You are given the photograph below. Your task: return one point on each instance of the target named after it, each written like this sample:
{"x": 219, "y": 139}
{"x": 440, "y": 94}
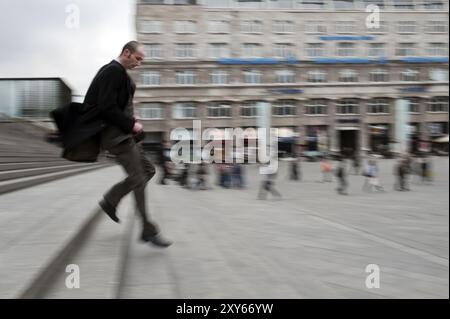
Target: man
{"x": 111, "y": 93}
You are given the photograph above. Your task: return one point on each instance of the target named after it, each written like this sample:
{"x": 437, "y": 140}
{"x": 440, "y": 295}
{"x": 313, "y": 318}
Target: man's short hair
{"x": 130, "y": 46}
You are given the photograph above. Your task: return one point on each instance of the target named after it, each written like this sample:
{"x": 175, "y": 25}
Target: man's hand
{"x": 137, "y": 128}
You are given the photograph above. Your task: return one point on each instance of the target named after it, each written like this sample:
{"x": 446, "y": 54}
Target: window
{"x": 152, "y": 51}
{"x": 433, "y": 4}
{"x": 219, "y": 109}
{"x": 406, "y": 49}
{"x": 218, "y": 50}
{"x": 151, "y": 111}
{"x": 284, "y": 50}
{"x": 438, "y": 104}
{"x": 382, "y": 28}
{"x": 251, "y": 26}
{"x": 345, "y": 26}
{"x": 219, "y": 77}
{"x": 185, "y": 77}
{"x": 343, "y": 4}
{"x": 185, "y": 27}
{"x": 316, "y": 107}
{"x": 436, "y": 26}
{"x": 313, "y": 4}
{"x": 252, "y": 50}
{"x": 317, "y": 76}
{"x": 348, "y": 76}
{"x": 439, "y": 74}
{"x": 379, "y": 76}
{"x": 314, "y": 27}
{"x": 184, "y": 110}
{"x": 184, "y": 50}
{"x": 252, "y": 77}
{"x": 218, "y": 26}
{"x": 409, "y": 75}
{"x": 347, "y": 106}
{"x": 150, "y": 26}
{"x": 413, "y": 104}
{"x": 249, "y": 109}
{"x": 376, "y": 50}
{"x": 406, "y": 27}
{"x": 284, "y": 108}
{"x": 283, "y": 26}
{"x": 378, "y": 105}
{"x": 403, "y": 4}
{"x": 285, "y": 76}
{"x": 315, "y": 50}
{"x": 346, "y": 49}
{"x": 437, "y": 49}
{"x": 151, "y": 78}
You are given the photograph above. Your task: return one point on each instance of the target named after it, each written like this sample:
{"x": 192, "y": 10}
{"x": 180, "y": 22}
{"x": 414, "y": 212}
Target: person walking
{"x": 111, "y": 93}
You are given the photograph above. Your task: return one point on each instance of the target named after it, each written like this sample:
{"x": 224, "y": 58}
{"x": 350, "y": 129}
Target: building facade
{"x": 332, "y": 70}
{"x": 32, "y": 97}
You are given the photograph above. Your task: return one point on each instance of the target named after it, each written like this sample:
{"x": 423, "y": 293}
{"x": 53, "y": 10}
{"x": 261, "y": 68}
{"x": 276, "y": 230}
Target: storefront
{"x": 379, "y": 138}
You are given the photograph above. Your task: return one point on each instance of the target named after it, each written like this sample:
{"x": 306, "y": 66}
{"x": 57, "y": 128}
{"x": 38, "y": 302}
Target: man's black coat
{"x": 106, "y": 99}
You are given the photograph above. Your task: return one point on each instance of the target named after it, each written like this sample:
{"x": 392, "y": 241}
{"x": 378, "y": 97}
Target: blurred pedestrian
{"x": 268, "y": 186}
{"x": 325, "y": 169}
{"x": 341, "y": 175}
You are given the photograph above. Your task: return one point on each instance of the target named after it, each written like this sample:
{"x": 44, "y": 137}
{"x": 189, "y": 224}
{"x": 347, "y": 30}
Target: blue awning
{"x": 258, "y": 61}
{"x": 424, "y": 59}
{"x": 347, "y": 37}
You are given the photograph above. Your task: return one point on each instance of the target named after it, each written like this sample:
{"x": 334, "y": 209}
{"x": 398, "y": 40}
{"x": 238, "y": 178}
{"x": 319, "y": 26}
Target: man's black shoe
{"x": 109, "y": 210}
{"x": 157, "y": 240}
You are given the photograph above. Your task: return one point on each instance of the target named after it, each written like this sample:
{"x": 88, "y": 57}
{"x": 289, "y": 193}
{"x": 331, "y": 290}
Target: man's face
{"x": 134, "y": 59}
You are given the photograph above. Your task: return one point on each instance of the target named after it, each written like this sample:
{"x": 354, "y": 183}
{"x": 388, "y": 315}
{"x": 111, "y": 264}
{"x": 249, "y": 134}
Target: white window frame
{"x": 317, "y": 76}
{"x": 347, "y": 105}
{"x": 252, "y": 26}
{"x": 314, "y": 50}
{"x": 407, "y": 27}
{"x": 283, "y": 26}
{"x": 409, "y": 75}
{"x": 316, "y": 107}
{"x": 349, "y": 51}
{"x": 413, "y": 105}
{"x": 436, "y": 74}
{"x": 437, "y": 104}
{"x": 154, "y": 108}
{"x": 373, "y": 51}
{"x": 348, "y": 76}
{"x": 375, "y": 74}
{"x": 287, "y": 108}
{"x": 252, "y": 106}
{"x": 436, "y": 26}
{"x": 219, "y": 108}
{"x": 284, "y": 50}
{"x": 315, "y": 27}
{"x": 406, "y": 49}
{"x": 185, "y": 77}
{"x": 252, "y": 76}
{"x": 153, "y": 51}
{"x": 218, "y": 26}
{"x": 251, "y": 50}
{"x": 185, "y": 50}
{"x": 218, "y": 50}
{"x": 219, "y": 77}
{"x": 382, "y": 29}
{"x": 437, "y": 49}
{"x": 185, "y": 27}
{"x": 181, "y": 108}
{"x": 378, "y": 106}
{"x": 151, "y": 78}
{"x": 345, "y": 27}
{"x": 150, "y": 26}
{"x": 285, "y": 76}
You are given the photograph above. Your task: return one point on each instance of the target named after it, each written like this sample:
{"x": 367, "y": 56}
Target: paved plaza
{"x": 311, "y": 243}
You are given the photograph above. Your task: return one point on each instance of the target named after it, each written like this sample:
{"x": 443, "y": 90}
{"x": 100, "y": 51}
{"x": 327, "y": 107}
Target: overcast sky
{"x": 40, "y": 39}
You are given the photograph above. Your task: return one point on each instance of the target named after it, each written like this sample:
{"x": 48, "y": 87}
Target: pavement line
{"x": 404, "y": 248}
